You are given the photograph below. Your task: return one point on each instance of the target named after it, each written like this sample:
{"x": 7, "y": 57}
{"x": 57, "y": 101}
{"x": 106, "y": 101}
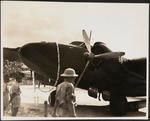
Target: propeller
{"x": 108, "y": 55}
{"x": 88, "y": 46}
{"x": 87, "y": 40}
{"x": 90, "y": 55}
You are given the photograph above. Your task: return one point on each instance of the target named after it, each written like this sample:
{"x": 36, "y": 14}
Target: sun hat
{"x": 69, "y": 72}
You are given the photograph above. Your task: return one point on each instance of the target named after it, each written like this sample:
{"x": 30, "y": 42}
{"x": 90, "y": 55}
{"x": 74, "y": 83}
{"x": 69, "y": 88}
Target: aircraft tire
{"x": 118, "y": 105}
{"x": 51, "y": 98}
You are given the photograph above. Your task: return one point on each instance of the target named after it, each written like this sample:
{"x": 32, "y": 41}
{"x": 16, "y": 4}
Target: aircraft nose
{"x": 26, "y": 51}
{"x": 40, "y": 57}
{"x": 38, "y": 51}
{"x": 30, "y": 52}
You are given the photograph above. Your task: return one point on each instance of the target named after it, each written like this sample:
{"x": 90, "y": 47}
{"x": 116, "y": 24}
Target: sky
{"x": 121, "y": 26}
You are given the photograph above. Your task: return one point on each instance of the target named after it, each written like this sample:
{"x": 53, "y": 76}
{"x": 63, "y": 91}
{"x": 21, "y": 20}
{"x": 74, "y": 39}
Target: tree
{"x": 12, "y": 69}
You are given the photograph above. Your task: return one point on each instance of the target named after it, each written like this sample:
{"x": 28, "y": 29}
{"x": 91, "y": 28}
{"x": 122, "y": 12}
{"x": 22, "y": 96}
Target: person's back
{"x": 15, "y": 98}
{"x": 65, "y": 97}
{"x": 63, "y": 91}
{"x": 15, "y": 88}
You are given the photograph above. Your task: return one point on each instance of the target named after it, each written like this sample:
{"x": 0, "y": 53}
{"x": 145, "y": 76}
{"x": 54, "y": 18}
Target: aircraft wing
{"x": 137, "y": 65}
{"x": 134, "y": 84}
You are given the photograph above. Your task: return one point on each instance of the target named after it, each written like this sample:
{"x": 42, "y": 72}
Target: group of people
{"x": 11, "y": 97}
{"x": 65, "y": 99}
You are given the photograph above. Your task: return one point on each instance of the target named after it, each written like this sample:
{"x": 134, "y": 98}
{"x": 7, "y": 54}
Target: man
{"x": 65, "y": 96}
{"x": 5, "y": 93}
{"x": 15, "y": 97}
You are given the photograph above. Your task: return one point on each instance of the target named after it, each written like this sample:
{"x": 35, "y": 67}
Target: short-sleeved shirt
{"x": 15, "y": 88}
{"x": 64, "y": 99}
{"x": 65, "y": 92}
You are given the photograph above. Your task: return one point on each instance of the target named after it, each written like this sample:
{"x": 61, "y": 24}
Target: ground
{"x": 32, "y": 104}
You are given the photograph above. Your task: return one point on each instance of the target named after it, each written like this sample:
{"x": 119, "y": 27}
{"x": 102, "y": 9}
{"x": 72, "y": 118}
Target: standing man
{"x": 65, "y": 97}
{"x": 15, "y": 98}
{"x": 5, "y": 93}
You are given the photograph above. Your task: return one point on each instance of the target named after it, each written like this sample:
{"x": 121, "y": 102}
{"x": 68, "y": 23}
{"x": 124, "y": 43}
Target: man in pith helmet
{"x": 65, "y": 97}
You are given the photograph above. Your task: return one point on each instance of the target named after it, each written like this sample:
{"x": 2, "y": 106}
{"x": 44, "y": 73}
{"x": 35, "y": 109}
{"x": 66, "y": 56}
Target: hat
{"x": 69, "y": 72}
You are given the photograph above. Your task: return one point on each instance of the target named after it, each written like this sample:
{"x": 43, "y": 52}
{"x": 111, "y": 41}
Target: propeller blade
{"x": 90, "y": 35}
{"x": 86, "y": 40}
{"x": 110, "y": 55}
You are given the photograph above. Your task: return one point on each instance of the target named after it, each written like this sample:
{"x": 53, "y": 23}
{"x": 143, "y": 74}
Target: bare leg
{"x": 55, "y": 109}
{"x": 72, "y": 110}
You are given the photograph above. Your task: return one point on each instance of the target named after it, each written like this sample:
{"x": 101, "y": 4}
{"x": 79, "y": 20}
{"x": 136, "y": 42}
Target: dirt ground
{"x": 32, "y": 105}
{"x": 33, "y": 110}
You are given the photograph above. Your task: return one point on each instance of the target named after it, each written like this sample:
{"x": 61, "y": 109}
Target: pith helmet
{"x": 69, "y": 72}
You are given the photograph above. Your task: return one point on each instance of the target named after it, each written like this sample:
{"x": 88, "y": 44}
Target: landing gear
{"x": 118, "y": 105}
{"x": 51, "y": 98}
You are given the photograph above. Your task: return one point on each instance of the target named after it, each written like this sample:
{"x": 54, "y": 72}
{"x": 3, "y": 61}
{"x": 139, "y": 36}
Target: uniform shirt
{"x": 65, "y": 93}
{"x": 15, "y": 88}
{"x": 65, "y": 98}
